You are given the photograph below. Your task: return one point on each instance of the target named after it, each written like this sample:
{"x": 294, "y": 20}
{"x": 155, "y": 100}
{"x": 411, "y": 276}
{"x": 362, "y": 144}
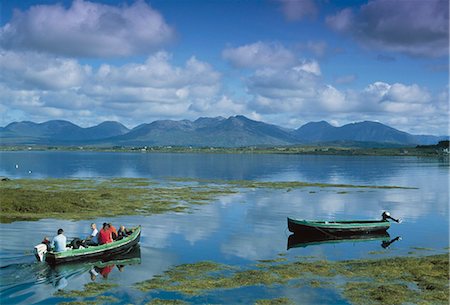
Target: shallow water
{"x": 236, "y": 229}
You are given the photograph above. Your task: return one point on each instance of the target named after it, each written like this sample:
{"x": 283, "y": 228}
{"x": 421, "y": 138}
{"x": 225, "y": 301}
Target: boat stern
{"x": 40, "y": 252}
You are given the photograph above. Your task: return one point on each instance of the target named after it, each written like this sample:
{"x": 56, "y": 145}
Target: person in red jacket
{"x": 113, "y": 231}
{"x": 104, "y": 236}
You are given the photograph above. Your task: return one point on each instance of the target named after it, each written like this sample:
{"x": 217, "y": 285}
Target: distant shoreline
{"x": 424, "y": 151}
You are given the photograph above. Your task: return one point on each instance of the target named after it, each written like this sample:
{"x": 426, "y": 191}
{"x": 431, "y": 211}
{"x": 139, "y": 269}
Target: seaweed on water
{"x": 90, "y": 290}
{"x": 377, "y": 281}
{"x": 277, "y": 301}
{"x": 166, "y": 302}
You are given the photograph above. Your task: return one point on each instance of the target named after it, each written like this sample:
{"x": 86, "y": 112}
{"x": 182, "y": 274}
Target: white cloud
{"x": 311, "y": 66}
{"x": 36, "y": 71}
{"x": 39, "y": 86}
{"x": 408, "y": 94}
{"x": 87, "y": 29}
{"x": 285, "y": 94}
{"x": 259, "y": 54}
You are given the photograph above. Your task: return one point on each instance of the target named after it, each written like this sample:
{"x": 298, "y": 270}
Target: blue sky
{"x": 285, "y": 62}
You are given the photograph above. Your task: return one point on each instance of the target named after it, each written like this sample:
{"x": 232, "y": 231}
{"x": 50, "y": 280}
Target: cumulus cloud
{"x": 37, "y": 71}
{"x": 259, "y": 54}
{"x": 418, "y": 28}
{"x": 287, "y": 94}
{"x": 87, "y": 29}
{"x": 47, "y": 87}
{"x": 294, "y": 10}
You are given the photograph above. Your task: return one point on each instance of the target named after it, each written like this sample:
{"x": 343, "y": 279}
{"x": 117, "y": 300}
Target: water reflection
{"x": 28, "y": 283}
{"x": 330, "y": 169}
{"x": 305, "y": 240}
{"x": 102, "y": 268}
{"x": 236, "y": 229}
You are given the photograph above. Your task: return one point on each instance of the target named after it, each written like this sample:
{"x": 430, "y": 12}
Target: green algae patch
{"x": 289, "y": 185}
{"x": 398, "y": 280}
{"x": 368, "y": 293}
{"x": 271, "y": 261}
{"x": 79, "y": 303}
{"x": 421, "y": 249}
{"x": 27, "y": 199}
{"x": 166, "y": 302}
{"x": 277, "y": 301}
{"x": 98, "y": 301}
{"x": 90, "y": 290}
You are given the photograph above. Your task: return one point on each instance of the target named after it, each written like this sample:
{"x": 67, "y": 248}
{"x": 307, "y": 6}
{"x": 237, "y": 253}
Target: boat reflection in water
{"x": 309, "y": 239}
{"x": 60, "y": 274}
{"x": 33, "y": 283}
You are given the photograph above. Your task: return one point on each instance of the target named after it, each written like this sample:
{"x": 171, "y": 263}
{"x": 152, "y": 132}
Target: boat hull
{"x": 104, "y": 252}
{"x": 338, "y": 227}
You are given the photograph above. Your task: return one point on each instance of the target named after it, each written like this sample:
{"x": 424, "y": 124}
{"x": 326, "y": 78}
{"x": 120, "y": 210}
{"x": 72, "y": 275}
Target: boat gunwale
{"x": 340, "y": 223}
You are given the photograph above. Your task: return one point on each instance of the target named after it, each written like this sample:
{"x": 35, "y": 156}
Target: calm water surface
{"x": 236, "y": 229}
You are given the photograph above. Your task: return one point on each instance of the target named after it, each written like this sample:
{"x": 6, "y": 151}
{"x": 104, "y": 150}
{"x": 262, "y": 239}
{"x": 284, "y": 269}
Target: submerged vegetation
{"x": 418, "y": 280}
{"x": 29, "y": 199}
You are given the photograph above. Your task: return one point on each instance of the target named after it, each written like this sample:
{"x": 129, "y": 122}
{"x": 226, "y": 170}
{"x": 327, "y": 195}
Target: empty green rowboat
{"x": 340, "y": 227}
{"x": 337, "y": 227}
{"x": 104, "y": 251}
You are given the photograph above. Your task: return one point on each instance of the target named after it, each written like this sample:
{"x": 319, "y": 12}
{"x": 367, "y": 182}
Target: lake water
{"x": 237, "y": 229}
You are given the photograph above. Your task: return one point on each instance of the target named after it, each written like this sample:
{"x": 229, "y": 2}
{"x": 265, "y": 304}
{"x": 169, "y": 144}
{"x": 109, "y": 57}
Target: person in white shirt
{"x": 59, "y": 242}
{"x": 92, "y": 239}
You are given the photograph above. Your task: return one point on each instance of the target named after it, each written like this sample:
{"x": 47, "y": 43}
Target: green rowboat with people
{"x": 104, "y": 251}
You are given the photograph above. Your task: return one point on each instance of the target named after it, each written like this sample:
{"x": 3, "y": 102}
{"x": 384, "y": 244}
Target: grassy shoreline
{"x": 76, "y": 199}
{"x": 302, "y": 150}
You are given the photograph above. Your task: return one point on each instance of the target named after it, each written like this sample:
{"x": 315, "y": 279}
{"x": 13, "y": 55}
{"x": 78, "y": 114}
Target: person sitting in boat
{"x": 46, "y": 241}
{"x": 104, "y": 236}
{"x": 92, "y": 239}
{"x": 123, "y": 232}
{"x": 59, "y": 242}
{"x": 113, "y": 231}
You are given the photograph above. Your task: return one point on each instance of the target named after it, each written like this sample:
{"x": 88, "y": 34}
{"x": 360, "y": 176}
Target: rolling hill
{"x": 235, "y": 131}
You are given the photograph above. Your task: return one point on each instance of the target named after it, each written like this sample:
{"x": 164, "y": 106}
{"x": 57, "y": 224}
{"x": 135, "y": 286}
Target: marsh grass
{"x": 396, "y": 280}
{"x": 84, "y": 199}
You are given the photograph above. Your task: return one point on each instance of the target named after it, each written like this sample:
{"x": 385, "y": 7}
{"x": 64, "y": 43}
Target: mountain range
{"x": 235, "y": 131}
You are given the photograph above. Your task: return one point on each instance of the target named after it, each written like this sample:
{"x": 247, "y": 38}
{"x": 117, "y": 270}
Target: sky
{"x": 284, "y": 62}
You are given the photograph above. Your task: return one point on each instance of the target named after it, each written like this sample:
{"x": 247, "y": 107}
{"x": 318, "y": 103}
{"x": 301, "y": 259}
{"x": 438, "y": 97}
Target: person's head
{"x": 110, "y": 225}
{"x": 60, "y": 231}
{"x": 122, "y": 228}
{"x": 105, "y": 226}
{"x": 93, "y": 226}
